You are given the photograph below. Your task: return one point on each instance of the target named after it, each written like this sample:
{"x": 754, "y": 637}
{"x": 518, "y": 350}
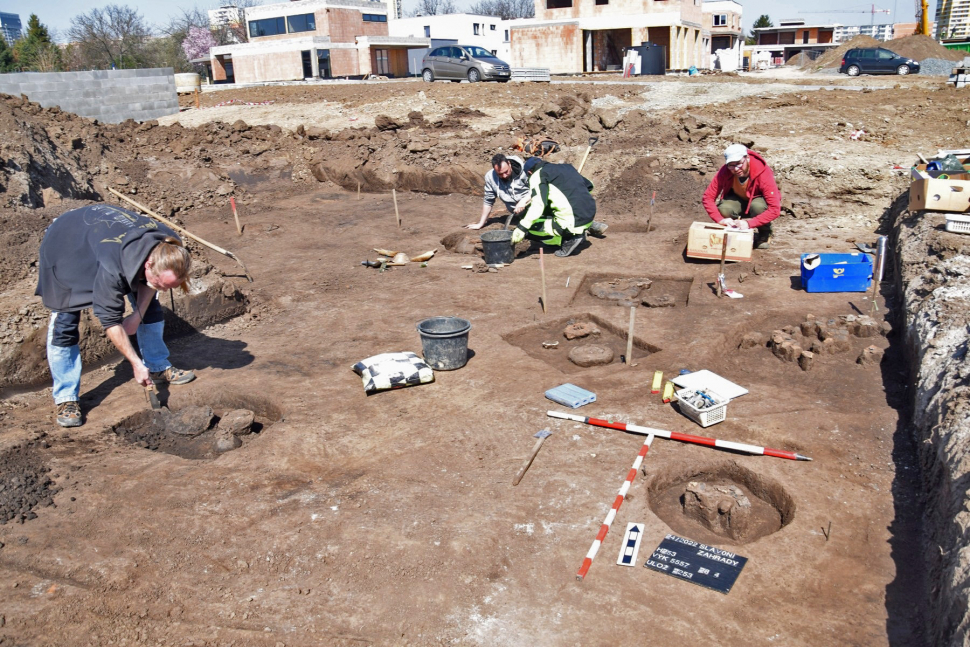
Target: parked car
{"x": 458, "y": 62}
{"x": 876, "y": 60}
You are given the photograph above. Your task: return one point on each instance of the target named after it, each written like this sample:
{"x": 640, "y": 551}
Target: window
{"x": 375, "y": 17}
{"x": 267, "y": 27}
{"x": 602, "y": 2}
{"x": 475, "y": 29}
{"x": 427, "y": 31}
{"x": 506, "y": 35}
{"x": 559, "y": 4}
{"x": 720, "y": 20}
{"x": 303, "y": 22}
{"x": 491, "y": 27}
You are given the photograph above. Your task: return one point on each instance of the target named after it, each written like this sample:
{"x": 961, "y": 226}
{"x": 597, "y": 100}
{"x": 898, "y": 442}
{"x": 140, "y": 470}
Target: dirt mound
{"x": 833, "y": 57}
{"x": 25, "y": 483}
{"x": 918, "y": 47}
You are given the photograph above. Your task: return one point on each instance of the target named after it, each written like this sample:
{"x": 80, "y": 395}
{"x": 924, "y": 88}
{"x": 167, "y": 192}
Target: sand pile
{"x": 833, "y": 57}
{"x": 918, "y": 47}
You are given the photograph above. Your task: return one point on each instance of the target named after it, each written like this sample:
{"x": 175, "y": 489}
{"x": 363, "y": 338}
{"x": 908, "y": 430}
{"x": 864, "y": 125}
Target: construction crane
{"x": 873, "y": 11}
{"x": 922, "y": 17}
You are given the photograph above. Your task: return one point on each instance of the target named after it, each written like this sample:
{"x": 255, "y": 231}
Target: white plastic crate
{"x": 704, "y": 417}
{"x": 958, "y": 224}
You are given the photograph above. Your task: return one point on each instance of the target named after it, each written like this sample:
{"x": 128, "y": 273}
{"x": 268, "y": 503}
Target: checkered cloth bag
{"x": 393, "y": 371}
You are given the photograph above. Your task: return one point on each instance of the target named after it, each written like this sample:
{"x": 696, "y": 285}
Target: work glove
{"x": 523, "y": 203}
{"x": 517, "y": 236}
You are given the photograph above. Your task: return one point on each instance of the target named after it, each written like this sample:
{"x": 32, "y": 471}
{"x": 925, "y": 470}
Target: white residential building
{"x": 489, "y": 32}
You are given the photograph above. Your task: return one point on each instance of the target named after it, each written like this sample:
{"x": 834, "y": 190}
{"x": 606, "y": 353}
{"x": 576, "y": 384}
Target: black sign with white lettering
{"x": 696, "y": 562}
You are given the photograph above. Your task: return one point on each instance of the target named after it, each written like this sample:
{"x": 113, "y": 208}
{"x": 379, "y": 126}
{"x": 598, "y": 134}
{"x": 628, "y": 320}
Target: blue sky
{"x": 57, "y": 14}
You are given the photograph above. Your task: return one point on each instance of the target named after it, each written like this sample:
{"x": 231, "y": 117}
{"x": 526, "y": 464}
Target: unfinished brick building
{"x": 590, "y": 35}
{"x": 314, "y": 39}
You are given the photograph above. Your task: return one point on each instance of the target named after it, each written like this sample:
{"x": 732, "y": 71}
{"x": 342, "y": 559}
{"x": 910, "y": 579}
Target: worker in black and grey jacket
{"x": 95, "y": 257}
{"x": 507, "y": 182}
{"x": 561, "y": 208}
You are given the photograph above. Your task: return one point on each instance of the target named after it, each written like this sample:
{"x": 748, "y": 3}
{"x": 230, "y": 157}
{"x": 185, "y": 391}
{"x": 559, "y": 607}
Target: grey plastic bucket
{"x": 444, "y": 341}
{"x": 497, "y": 246}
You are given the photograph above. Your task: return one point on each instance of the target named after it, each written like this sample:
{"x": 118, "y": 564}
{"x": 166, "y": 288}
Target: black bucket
{"x": 445, "y": 342}
{"x": 497, "y": 246}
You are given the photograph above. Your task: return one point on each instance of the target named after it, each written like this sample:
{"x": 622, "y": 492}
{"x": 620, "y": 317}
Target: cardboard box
{"x": 952, "y": 194}
{"x": 704, "y": 240}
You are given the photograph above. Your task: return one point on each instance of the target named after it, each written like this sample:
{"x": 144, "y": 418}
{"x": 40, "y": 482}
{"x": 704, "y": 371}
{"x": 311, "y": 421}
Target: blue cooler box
{"x": 836, "y": 272}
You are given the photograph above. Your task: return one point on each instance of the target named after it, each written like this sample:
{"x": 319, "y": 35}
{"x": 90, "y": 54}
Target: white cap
{"x": 735, "y": 153}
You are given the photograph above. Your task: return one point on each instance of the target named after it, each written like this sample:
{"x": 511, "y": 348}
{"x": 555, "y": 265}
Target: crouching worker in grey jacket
{"x": 507, "y": 182}
{"x": 95, "y": 257}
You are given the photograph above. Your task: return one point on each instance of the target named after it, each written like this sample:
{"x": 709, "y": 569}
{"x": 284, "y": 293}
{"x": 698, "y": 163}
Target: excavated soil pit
{"x": 24, "y": 482}
{"x": 626, "y": 291}
{"x": 724, "y": 504}
{"x": 199, "y": 431}
{"x": 532, "y": 338}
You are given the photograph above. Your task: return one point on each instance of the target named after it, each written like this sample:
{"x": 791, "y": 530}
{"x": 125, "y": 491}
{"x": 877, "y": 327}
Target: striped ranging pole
{"x": 685, "y": 438}
{"x": 611, "y": 515}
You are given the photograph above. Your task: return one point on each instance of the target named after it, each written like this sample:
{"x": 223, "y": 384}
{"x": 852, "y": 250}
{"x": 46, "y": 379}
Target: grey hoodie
{"x": 93, "y": 257}
{"x": 509, "y": 191}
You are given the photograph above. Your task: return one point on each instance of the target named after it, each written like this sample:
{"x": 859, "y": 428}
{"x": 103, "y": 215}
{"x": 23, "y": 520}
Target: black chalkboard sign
{"x": 696, "y": 562}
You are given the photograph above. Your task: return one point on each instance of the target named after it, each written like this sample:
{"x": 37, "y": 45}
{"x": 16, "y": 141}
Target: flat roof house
{"x": 304, "y": 39}
{"x": 570, "y": 36}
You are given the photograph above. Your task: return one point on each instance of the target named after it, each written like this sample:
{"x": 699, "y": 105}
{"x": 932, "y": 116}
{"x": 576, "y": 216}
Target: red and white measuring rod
{"x": 611, "y": 515}
{"x": 685, "y": 438}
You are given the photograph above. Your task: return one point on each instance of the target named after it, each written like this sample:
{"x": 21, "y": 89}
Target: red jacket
{"x": 761, "y": 183}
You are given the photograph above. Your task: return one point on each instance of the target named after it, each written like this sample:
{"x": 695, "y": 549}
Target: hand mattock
{"x": 541, "y": 435}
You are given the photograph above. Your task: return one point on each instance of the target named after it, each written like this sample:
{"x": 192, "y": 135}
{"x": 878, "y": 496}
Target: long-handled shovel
{"x": 181, "y": 230}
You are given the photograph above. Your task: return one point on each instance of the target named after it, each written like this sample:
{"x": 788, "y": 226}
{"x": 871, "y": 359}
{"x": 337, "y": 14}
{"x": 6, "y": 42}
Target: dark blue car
{"x": 876, "y": 60}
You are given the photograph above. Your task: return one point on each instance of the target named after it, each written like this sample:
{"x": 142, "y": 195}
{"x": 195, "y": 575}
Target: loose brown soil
{"x": 391, "y": 519}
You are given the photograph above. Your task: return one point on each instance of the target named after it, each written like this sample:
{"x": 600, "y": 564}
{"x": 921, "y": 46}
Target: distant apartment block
{"x": 10, "y": 27}
{"x": 226, "y": 15}
{"x": 953, "y": 20}
{"x": 844, "y": 33}
{"x": 314, "y": 39}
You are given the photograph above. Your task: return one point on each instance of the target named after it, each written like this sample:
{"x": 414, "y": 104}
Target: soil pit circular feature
{"x": 198, "y": 431}
{"x": 725, "y": 504}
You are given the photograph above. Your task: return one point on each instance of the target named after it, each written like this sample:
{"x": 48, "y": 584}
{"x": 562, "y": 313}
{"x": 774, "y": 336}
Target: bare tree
{"x": 114, "y": 36}
{"x": 434, "y": 7}
{"x": 504, "y": 9}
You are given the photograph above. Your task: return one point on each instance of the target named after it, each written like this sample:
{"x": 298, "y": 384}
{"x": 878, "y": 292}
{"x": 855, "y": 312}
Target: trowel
{"x": 153, "y": 397}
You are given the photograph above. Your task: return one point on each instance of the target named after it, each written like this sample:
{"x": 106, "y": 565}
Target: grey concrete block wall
{"x": 110, "y": 96}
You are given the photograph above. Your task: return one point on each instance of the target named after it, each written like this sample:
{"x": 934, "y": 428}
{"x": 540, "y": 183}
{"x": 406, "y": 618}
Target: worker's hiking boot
{"x": 570, "y": 246}
{"x": 174, "y": 376}
{"x": 598, "y": 229}
{"x": 762, "y": 237}
{"x": 69, "y": 414}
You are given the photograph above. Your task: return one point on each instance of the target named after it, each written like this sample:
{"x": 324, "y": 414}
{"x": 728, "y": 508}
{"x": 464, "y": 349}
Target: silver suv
{"x": 457, "y": 62}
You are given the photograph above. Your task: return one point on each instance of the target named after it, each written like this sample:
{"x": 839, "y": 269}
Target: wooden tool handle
{"x": 183, "y": 231}
{"x": 527, "y": 463}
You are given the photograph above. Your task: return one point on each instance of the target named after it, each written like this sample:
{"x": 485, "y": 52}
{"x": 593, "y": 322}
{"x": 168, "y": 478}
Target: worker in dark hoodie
{"x": 95, "y": 257}
{"x": 743, "y": 194}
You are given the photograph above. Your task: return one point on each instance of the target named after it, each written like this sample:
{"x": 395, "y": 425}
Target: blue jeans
{"x": 64, "y": 356}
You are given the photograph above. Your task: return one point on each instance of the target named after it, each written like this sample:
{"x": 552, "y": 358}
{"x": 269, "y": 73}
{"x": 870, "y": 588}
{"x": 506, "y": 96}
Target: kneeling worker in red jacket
{"x": 743, "y": 194}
